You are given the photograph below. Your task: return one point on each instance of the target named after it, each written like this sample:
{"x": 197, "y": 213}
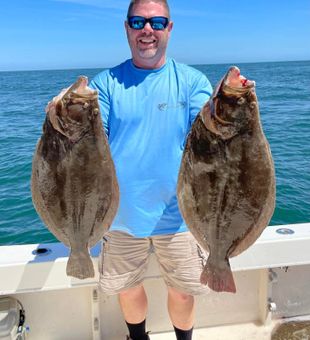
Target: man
{"x": 148, "y": 104}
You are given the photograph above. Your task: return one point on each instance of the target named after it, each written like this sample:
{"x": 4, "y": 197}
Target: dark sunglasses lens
{"x": 137, "y": 23}
{"x": 159, "y": 23}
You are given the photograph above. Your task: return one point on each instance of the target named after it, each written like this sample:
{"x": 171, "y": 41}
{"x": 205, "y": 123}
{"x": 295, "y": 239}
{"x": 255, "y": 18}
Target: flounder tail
{"x": 218, "y": 277}
{"x": 80, "y": 264}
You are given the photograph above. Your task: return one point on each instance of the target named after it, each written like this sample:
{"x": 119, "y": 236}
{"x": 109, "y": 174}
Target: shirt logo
{"x": 165, "y": 106}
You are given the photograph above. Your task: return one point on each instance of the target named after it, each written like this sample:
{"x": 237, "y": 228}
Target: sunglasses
{"x": 157, "y": 23}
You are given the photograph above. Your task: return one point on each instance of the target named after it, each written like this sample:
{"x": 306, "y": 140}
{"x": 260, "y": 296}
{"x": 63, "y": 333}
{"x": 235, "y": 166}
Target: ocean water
{"x": 283, "y": 90}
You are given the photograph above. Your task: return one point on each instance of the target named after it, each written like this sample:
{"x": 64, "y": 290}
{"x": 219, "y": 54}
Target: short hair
{"x": 136, "y": 2}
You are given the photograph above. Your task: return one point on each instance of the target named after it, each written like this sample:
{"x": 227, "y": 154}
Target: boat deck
{"x": 232, "y": 332}
{"x": 272, "y": 279}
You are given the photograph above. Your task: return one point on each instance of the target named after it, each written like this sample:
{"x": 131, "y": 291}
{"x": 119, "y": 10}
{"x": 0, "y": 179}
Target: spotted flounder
{"x": 74, "y": 185}
{"x": 226, "y": 184}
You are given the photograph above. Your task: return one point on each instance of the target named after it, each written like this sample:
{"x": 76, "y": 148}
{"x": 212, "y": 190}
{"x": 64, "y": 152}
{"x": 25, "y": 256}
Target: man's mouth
{"x": 147, "y": 41}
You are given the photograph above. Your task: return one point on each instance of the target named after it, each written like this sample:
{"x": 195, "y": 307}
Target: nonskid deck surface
{"x": 232, "y": 332}
{"x": 275, "y": 330}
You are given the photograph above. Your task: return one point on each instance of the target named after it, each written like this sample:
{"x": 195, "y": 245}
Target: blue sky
{"x": 58, "y": 34}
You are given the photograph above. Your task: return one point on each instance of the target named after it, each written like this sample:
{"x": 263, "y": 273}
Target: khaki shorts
{"x": 124, "y": 259}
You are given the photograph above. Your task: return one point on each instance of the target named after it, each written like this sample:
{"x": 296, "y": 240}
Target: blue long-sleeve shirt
{"x": 147, "y": 115}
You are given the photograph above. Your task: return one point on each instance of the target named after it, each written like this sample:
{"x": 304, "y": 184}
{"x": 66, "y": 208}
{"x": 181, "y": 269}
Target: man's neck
{"x": 150, "y": 64}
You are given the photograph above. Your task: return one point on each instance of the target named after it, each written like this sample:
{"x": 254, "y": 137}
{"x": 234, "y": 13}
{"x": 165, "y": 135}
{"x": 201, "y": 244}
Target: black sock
{"x": 137, "y": 331}
{"x": 183, "y": 335}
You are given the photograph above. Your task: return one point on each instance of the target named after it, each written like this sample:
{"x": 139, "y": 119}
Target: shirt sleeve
{"x": 201, "y": 90}
{"x": 101, "y": 84}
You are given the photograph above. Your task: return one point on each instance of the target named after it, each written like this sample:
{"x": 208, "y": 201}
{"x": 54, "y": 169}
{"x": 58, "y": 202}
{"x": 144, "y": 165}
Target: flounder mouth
{"x": 235, "y": 82}
{"x": 72, "y": 106}
{"x": 233, "y": 86}
{"x": 79, "y": 89}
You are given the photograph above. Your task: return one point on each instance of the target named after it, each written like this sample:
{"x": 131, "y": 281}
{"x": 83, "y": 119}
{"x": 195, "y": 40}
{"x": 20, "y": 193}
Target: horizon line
{"x": 190, "y": 64}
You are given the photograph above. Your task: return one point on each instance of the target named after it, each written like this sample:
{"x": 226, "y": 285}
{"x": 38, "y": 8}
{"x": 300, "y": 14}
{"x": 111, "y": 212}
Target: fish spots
{"x": 253, "y": 105}
{"x": 74, "y": 184}
{"x": 231, "y": 176}
{"x": 241, "y": 101}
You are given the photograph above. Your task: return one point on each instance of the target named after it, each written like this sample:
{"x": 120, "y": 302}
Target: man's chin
{"x": 147, "y": 54}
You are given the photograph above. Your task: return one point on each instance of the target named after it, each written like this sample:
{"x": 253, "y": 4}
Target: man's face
{"x": 148, "y": 46}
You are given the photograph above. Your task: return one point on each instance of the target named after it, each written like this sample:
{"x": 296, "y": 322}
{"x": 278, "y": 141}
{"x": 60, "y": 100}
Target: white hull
{"x": 273, "y": 274}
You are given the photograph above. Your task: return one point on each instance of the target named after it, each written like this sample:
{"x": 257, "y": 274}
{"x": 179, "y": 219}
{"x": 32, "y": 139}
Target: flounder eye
{"x": 240, "y": 101}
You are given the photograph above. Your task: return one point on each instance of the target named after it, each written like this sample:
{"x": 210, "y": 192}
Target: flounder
{"x": 226, "y": 183}
{"x": 74, "y": 185}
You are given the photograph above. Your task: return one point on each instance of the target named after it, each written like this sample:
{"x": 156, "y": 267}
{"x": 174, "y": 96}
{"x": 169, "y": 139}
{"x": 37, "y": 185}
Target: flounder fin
{"x": 208, "y": 121}
{"x": 214, "y": 124}
{"x": 80, "y": 265}
{"x": 219, "y": 279}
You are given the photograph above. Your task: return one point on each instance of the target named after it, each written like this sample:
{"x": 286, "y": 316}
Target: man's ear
{"x": 126, "y": 27}
{"x": 170, "y": 26}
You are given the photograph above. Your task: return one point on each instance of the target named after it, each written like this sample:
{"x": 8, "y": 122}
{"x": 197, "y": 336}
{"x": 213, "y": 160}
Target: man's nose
{"x": 148, "y": 27}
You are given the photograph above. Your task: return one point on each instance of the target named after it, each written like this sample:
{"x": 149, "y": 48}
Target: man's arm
{"x": 101, "y": 84}
{"x": 201, "y": 91}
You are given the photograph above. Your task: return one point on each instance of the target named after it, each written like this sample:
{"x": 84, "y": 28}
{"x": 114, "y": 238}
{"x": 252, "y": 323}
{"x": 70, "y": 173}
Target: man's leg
{"x": 122, "y": 265}
{"x": 133, "y": 302}
{"x": 181, "y": 262}
{"x": 181, "y": 309}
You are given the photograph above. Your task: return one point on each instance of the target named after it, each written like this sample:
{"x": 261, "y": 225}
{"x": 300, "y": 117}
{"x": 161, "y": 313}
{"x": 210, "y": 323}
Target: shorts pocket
{"x": 202, "y": 255}
{"x": 104, "y": 246}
